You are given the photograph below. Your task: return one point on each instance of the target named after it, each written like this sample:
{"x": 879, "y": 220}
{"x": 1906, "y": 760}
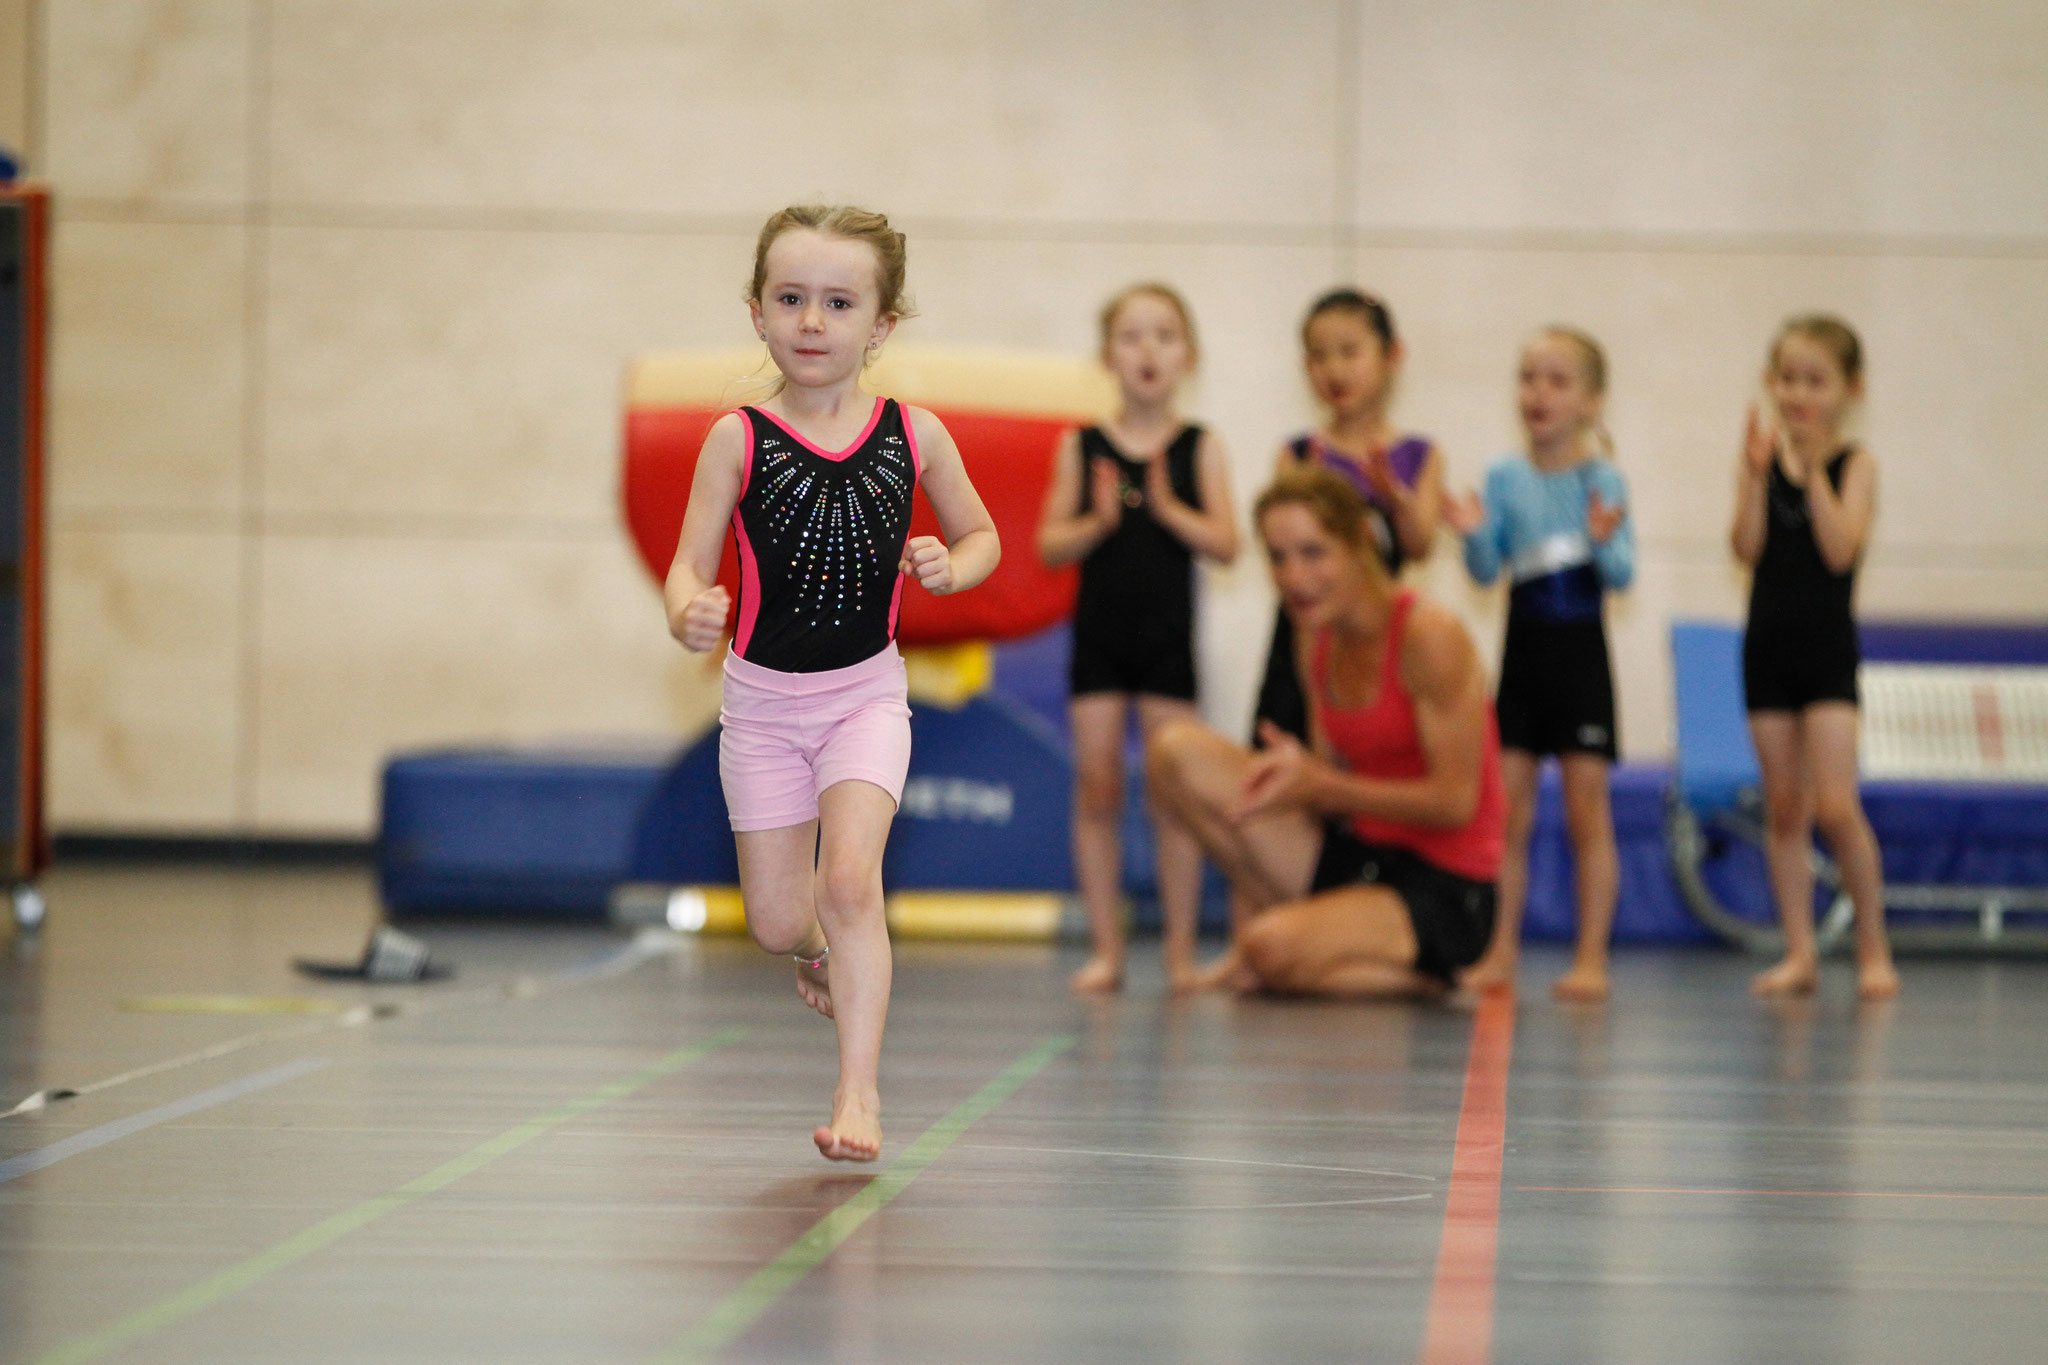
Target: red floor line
{"x": 1803, "y": 1194}
{"x": 1460, "y": 1328}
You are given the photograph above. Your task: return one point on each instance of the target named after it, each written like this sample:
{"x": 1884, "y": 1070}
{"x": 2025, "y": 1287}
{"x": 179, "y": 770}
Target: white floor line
{"x": 149, "y": 1118}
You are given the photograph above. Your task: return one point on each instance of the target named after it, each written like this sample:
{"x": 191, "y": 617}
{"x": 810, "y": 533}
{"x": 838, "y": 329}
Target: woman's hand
{"x": 1283, "y": 774}
{"x": 926, "y": 559}
{"x": 704, "y": 619}
{"x": 1464, "y": 512}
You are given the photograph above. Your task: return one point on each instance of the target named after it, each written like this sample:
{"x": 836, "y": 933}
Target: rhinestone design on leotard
{"x": 827, "y": 535}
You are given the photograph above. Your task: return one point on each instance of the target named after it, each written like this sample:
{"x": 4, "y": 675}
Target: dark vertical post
{"x": 24, "y": 217}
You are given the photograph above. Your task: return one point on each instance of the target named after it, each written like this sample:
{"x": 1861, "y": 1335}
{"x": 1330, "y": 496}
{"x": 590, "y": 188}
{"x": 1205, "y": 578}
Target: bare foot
{"x": 1492, "y": 972}
{"x": 1793, "y": 976}
{"x": 1583, "y": 984}
{"x": 1183, "y": 977}
{"x": 856, "y": 1130}
{"x": 814, "y": 984}
{"x": 1098, "y": 976}
{"x": 1227, "y": 973}
{"x": 1877, "y": 979}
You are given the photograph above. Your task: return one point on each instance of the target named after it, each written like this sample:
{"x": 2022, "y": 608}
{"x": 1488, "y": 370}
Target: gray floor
{"x": 1688, "y": 1175}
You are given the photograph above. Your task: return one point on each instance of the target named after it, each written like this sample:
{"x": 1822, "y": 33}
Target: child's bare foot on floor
{"x": 1793, "y": 976}
{"x": 814, "y": 984}
{"x": 1584, "y": 983}
{"x": 855, "y": 1133}
{"x": 1183, "y": 977}
{"x": 1491, "y": 972}
{"x": 1098, "y": 976}
{"x": 1877, "y": 979}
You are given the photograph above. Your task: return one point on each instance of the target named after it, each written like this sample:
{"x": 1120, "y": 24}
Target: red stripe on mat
{"x": 1460, "y": 1330}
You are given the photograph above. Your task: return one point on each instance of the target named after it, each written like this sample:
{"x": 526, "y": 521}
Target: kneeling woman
{"x": 1365, "y": 864}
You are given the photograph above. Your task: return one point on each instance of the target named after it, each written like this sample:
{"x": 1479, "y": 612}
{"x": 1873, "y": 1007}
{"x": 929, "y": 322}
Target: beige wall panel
{"x": 1247, "y": 303}
{"x": 474, "y": 373}
{"x": 17, "y": 66}
{"x": 1070, "y": 110}
{"x": 144, "y": 639}
{"x": 1743, "y": 116}
{"x": 148, "y": 375}
{"x": 147, "y": 99}
{"x": 372, "y": 645}
{"x": 1954, "y": 410}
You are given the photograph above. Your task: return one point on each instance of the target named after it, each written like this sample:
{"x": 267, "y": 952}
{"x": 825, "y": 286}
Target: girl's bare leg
{"x": 1589, "y": 817}
{"x": 1098, "y": 724}
{"x": 1788, "y": 849}
{"x": 1495, "y": 969}
{"x": 778, "y": 884}
{"x": 1180, "y": 859}
{"x": 1830, "y": 734}
{"x": 854, "y": 820}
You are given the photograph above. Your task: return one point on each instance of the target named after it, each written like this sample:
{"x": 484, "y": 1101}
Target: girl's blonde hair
{"x": 1164, "y": 292}
{"x": 1832, "y": 335}
{"x": 1338, "y": 507}
{"x": 834, "y": 220}
{"x": 1593, "y": 365}
{"x": 855, "y": 225}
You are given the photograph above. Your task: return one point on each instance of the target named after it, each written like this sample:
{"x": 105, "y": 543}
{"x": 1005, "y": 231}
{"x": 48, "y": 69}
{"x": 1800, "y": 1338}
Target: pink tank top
{"x": 1381, "y": 741}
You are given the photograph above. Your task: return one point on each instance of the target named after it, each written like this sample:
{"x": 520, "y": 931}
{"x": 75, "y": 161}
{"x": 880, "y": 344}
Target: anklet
{"x": 814, "y": 963}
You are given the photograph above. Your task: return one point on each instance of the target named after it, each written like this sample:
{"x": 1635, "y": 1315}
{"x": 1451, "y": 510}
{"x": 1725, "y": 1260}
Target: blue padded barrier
{"x": 545, "y": 831}
{"x": 1716, "y": 762}
{"x": 1953, "y": 642}
{"x": 1650, "y": 910}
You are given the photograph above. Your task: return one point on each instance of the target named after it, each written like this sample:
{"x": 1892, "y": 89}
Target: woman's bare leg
{"x": 1589, "y": 817}
{"x": 1788, "y": 849}
{"x": 1098, "y": 725}
{"x": 854, "y": 819}
{"x": 1829, "y": 730}
{"x": 1495, "y": 969}
{"x": 1196, "y": 775}
{"x": 1350, "y": 941}
{"x": 1180, "y": 858}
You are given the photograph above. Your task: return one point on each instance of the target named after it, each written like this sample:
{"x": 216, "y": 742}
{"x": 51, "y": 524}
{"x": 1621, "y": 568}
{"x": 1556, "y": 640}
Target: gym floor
{"x": 587, "y": 1147}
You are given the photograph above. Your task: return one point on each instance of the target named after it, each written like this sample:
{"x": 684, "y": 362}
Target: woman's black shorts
{"x": 1556, "y": 689}
{"x": 1452, "y": 915}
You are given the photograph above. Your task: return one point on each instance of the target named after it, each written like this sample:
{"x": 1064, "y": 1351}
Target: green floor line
{"x": 237, "y": 1277}
{"x": 745, "y": 1306}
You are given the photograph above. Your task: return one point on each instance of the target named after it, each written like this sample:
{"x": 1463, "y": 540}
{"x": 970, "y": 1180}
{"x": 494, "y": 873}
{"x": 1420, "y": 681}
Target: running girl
{"x": 815, "y": 483}
{"x": 1135, "y": 500}
{"x": 1557, "y": 519}
{"x": 1803, "y": 510}
{"x": 1353, "y": 358}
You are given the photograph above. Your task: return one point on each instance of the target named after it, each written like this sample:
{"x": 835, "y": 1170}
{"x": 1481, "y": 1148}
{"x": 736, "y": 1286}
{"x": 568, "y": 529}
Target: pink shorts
{"x": 788, "y": 736}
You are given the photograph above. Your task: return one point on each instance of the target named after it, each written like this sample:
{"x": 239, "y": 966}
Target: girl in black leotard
{"x": 1135, "y": 500}
{"x": 1352, "y": 356}
{"x": 1802, "y": 518}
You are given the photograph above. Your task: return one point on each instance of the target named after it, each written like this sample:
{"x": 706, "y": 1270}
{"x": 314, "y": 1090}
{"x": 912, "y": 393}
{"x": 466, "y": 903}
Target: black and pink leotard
{"x": 820, "y": 537}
